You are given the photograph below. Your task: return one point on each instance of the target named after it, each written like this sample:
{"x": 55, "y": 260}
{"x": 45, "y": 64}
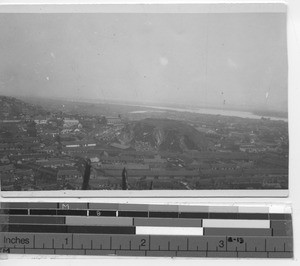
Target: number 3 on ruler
{"x": 221, "y": 243}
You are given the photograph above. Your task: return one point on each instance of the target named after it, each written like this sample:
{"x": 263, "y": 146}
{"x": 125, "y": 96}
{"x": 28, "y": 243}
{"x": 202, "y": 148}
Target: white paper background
{"x": 294, "y": 127}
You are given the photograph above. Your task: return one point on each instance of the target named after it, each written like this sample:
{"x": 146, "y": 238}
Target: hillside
{"x": 164, "y": 135}
{"x": 12, "y": 108}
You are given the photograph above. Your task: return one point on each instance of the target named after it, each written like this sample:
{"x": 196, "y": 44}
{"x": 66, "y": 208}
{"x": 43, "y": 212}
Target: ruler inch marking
{"x": 177, "y": 248}
{"x": 265, "y": 244}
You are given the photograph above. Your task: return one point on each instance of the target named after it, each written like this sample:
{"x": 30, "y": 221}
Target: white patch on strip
{"x": 163, "y": 230}
{"x": 230, "y": 223}
{"x": 288, "y": 209}
{"x": 280, "y": 208}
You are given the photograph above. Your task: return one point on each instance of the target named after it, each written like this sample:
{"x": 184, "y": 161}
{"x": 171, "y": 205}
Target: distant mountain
{"x": 13, "y": 108}
{"x": 164, "y": 135}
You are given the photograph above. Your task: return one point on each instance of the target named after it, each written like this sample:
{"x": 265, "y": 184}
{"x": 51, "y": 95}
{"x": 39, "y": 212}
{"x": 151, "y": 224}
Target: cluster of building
{"x": 44, "y": 151}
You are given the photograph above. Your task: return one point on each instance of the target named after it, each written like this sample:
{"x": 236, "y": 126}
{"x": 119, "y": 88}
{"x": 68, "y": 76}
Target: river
{"x": 242, "y": 114}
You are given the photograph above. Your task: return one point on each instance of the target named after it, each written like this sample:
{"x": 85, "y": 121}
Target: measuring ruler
{"x": 146, "y": 230}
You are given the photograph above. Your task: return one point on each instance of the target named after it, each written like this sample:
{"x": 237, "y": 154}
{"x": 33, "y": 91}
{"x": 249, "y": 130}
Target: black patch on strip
{"x": 203, "y": 215}
{"x": 222, "y": 215}
{"x": 164, "y": 214}
{"x": 102, "y": 213}
{"x": 18, "y": 211}
{"x": 253, "y": 216}
{"x": 129, "y": 230}
{"x": 132, "y": 214}
{"x": 280, "y": 216}
{"x": 4, "y": 211}
{"x": 42, "y": 212}
{"x": 72, "y": 212}
{"x": 4, "y": 227}
{"x": 37, "y": 228}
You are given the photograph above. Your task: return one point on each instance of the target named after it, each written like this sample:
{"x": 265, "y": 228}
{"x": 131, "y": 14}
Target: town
{"x": 43, "y": 144}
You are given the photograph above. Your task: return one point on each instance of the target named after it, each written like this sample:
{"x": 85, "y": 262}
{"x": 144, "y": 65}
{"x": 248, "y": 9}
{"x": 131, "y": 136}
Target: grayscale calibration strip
{"x": 146, "y": 230}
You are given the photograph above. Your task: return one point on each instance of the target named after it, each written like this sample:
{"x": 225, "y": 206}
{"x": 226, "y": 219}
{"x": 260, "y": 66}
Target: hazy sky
{"x": 161, "y": 58}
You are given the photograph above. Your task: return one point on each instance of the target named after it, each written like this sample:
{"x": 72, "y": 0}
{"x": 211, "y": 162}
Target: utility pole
{"x": 151, "y": 185}
{"x": 86, "y": 176}
{"x": 124, "y": 179}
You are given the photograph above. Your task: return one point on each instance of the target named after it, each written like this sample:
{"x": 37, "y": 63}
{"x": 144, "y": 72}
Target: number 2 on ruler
{"x": 143, "y": 242}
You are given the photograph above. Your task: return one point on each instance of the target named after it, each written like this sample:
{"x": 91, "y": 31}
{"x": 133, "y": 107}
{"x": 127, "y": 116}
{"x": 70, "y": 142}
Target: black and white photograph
{"x": 144, "y": 101}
